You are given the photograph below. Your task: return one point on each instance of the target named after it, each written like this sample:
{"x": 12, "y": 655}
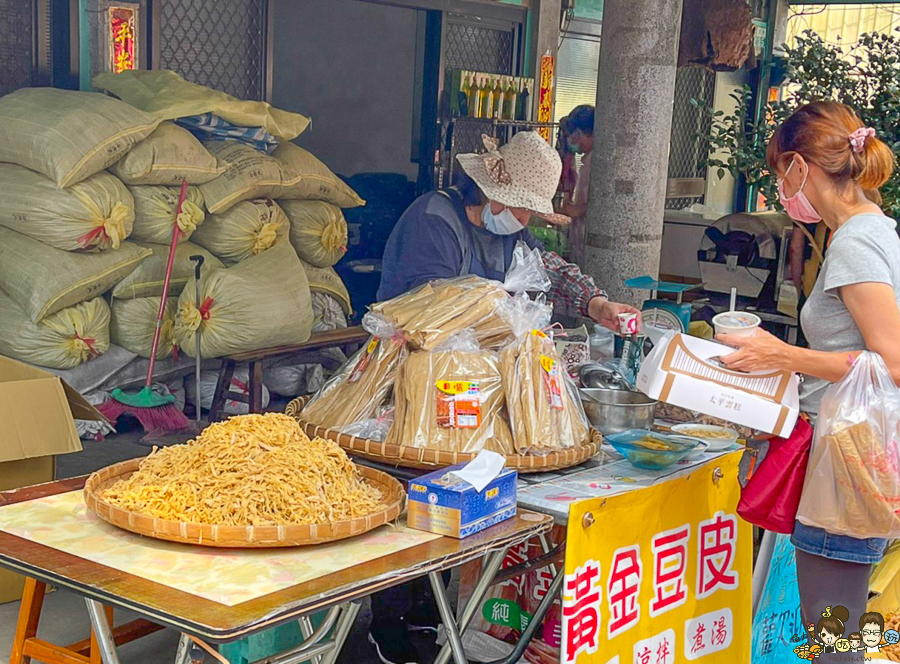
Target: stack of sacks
{"x": 153, "y": 172}
{"x": 64, "y": 221}
{"x": 243, "y": 220}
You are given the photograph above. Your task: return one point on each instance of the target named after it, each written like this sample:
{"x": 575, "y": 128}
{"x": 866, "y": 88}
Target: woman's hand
{"x": 607, "y": 313}
{"x": 761, "y": 352}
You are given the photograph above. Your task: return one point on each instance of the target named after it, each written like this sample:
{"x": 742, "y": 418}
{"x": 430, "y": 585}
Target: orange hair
{"x": 820, "y": 132}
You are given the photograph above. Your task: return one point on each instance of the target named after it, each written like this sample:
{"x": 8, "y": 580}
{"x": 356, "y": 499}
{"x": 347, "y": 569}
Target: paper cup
{"x": 738, "y": 323}
{"x": 628, "y": 324}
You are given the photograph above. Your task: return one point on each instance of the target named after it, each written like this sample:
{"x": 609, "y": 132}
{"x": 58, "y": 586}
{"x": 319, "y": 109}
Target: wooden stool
{"x": 347, "y": 338}
{"x": 26, "y": 644}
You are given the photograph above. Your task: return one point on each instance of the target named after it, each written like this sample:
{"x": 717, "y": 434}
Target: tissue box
{"x": 684, "y": 371}
{"x": 444, "y": 504}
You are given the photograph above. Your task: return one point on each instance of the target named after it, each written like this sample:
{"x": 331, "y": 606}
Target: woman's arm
{"x": 874, "y": 310}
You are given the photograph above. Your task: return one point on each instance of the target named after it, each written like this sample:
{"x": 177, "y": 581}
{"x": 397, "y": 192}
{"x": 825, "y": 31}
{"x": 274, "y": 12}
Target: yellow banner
{"x": 545, "y": 98}
{"x": 661, "y": 575}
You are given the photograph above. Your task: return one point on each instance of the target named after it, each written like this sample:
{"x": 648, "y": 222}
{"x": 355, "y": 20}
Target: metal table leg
{"x": 103, "y": 632}
{"x": 492, "y": 564}
{"x": 183, "y": 653}
{"x": 342, "y": 631}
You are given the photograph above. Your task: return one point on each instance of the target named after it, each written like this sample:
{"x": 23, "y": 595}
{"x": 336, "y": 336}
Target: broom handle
{"x": 165, "y": 292}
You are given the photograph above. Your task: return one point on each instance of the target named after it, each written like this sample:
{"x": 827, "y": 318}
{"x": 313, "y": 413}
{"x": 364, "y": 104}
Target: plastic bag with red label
{"x": 545, "y": 411}
{"x": 451, "y": 399}
{"x": 362, "y": 386}
{"x": 852, "y": 484}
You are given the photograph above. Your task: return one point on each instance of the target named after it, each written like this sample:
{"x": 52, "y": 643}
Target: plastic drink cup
{"x": 738, "y": 323}
{"x": 628, "y": 324}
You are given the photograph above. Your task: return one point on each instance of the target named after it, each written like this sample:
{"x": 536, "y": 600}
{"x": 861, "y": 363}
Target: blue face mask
{"x": 504, "y": 223}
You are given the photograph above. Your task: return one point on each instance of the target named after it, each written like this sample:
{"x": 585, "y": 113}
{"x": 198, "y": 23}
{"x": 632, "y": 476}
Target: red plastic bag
{"x": 772, "y": 493}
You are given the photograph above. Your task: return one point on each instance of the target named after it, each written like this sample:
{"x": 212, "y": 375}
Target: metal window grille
{"x": 17, "y": 44}
{"x": 686, "y": 154}
{"x": 222, "y": 44}
{"x": 479, "y": 48}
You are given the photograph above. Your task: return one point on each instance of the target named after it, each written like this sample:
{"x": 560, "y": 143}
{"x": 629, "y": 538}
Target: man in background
{"x": 580, "y": 126}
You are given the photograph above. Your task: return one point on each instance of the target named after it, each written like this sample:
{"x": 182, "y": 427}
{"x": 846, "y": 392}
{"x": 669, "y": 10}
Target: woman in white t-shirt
{"x": 829, "y": 168}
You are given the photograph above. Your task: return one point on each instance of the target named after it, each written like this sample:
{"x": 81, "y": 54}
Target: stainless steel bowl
{"x": 613, "y": 411}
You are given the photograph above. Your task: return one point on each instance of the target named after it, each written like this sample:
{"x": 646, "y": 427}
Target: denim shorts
{"x": 838, "y": 547}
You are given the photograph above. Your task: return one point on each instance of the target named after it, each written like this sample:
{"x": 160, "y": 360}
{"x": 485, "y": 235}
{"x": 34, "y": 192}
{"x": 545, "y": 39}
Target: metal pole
{"x": 491, "y": 566}
{"x": 761, "y": 571}
{"x": 443, "y": 604}
{"x": 341, "y": 630}
{"x": 102, "y": 631}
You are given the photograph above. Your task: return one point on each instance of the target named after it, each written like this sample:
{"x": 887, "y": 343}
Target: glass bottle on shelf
{"x": 510, "y": 97}
{"x": 523, "y": 110}
{"x": 475, "y": 111}
{"x": 487, "y": 100}
{"x": 473, "y": 95}
{"x": 463, "y": 94}
{"x": 499, "y": 93}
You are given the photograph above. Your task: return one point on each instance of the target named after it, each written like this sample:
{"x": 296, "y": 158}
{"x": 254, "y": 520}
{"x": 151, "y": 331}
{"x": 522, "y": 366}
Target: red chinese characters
{"x": 670, "y": 554}
{"x": 717, "y": 551}
{"x": 581, "y": 611}
{"x": 623, "y": 590}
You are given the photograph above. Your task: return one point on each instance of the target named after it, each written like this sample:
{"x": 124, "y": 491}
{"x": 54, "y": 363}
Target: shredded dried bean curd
{"x": 248, "y": 470}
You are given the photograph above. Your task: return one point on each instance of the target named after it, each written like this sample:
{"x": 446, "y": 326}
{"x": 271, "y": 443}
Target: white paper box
{"x": 678, "y": 371}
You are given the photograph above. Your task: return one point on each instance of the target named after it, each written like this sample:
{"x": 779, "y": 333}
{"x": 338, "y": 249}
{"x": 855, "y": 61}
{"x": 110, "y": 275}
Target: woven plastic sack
{"x": 318, "y": 231}
{"x": 243, "y": 231}
{"x": 66, "y": 135}
{"x": 261, "y": 302}
{"x": 326, "y": 280}
{"x": 166, "y": 95}
{"x": 147, "y": 278}
{"x": 852, "y": 484}
{"x": 166, "y": 157}
{"x": 312, "y": 180}
{"x": 94, "y": 215}
{"x": 451, "y": 400}
{"x": 154, "y": 213}
{"x": 290, "y": 172}
{"x": 43, "y": 280}
{"x": 545, "y": 411}
{"x": 61, "y": 341}
{"x": 133, "y": 324}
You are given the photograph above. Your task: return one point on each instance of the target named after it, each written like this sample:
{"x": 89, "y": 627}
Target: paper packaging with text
{"x": 444, "y": 504}
{"x": 684, "y": 371}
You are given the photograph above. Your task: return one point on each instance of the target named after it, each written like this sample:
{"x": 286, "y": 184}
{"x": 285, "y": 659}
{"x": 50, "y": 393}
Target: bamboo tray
{"x": 240, "y": 536}
{"x": 427, "y": 459}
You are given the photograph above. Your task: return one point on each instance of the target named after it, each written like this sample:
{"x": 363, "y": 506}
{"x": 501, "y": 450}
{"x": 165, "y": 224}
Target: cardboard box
{"x": 444, "y": 504}
{"x": 684, "y": 371}
{"x": 37, "y": 412}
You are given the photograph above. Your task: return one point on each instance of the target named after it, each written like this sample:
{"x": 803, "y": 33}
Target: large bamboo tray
{"x": 239, "y": 536}
{"x": 427, "y": 459}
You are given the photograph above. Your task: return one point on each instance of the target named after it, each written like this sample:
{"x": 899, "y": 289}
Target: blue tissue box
{"x": 444, "y": 504}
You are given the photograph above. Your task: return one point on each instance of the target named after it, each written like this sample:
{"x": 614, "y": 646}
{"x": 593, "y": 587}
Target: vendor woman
{"x": 472, "y": 228}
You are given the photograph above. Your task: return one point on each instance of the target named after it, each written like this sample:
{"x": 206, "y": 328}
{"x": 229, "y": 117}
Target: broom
{"x": 156, "y": 412}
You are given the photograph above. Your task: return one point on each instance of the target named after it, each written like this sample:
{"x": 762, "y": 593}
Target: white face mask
{"x": 504, "y": 223}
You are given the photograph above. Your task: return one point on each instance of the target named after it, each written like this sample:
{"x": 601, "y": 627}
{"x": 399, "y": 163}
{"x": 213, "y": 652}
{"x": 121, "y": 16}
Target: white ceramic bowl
{"x": 709, "y": 433}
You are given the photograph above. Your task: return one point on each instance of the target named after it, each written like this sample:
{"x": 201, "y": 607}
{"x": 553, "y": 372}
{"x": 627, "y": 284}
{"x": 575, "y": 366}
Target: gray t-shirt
{"x": 865, "y": 249}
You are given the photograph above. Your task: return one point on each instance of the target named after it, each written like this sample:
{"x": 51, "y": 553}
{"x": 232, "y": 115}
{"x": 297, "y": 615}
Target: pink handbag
{"x": 772, "y": 493}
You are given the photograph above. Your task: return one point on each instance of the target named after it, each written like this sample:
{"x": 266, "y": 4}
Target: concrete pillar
{"x": 546, "y": 18}
{"x": 633, "y": 122}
